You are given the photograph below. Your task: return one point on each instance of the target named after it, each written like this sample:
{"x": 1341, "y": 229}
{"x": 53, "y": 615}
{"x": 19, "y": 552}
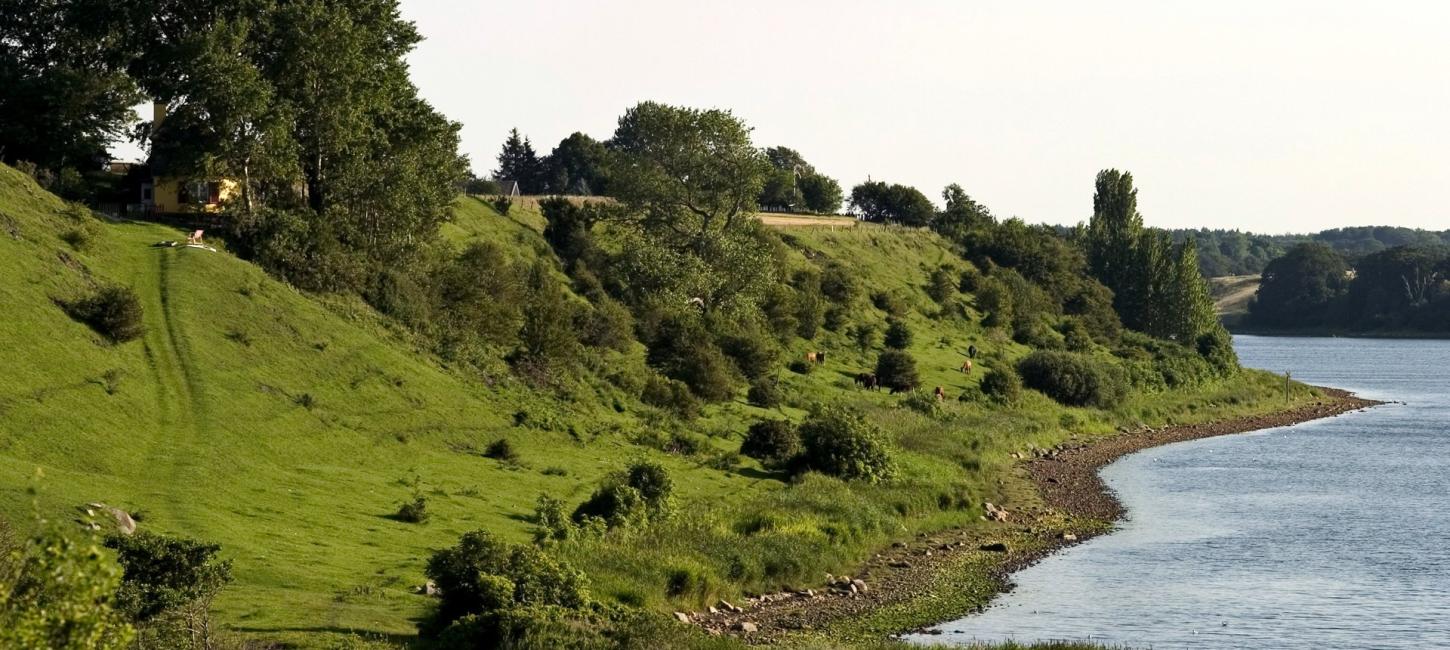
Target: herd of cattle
{"x": 869, "y": 380}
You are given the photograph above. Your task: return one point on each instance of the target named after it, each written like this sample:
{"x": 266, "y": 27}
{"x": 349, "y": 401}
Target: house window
{"x": 214, "y": 193}
{"x": 147, "y": 191}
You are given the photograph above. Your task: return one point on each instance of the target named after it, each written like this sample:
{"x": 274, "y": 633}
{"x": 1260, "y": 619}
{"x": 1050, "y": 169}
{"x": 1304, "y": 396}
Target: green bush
{"x": 771, "y": 441}
{"x": 615, "y": 504}
{"x": 643, "y": 491}
{"x": 752, "y": 352}
{"x": 1075, "y": 335}
{"x": 1002, "y": 385}
{"x": 681, "y": 348}
{"x": 608, "y": 325}
{"x": 896, "y": 370}
{"x": 1217, "y": 347}
{"x": 503, "y": 450}
{"x": 942, "y": 284}
{"x": 898, "y": 335}
{"x": 839, "y": 442}
{"x": 924, "y": 403}
{"x": 890, "y": 302}
{"x": 670, "y": 394}
{"x": 485, "y": 577}
{"x": 764, "y": 392}
{"x": 112, "y": 311}
{"x": 1073, "y": 379}
{"x": 836, "y": 318}
{"x": 167, "y": 587}
{"x": 554, "y": 525}
{"x": 414, "y": 511}
{"x": 866, "y": 335}
{"x": 838, "y": 284}
{"x": 801, "y": 367}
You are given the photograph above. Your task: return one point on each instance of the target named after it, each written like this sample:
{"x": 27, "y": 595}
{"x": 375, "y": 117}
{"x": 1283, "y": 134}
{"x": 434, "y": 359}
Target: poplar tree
{"x": 1113, "y": 238}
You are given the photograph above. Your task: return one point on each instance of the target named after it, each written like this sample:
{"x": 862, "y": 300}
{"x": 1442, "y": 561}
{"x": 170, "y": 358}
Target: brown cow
{"x": 967, "y": 366}
{"x": 941, "y": 395}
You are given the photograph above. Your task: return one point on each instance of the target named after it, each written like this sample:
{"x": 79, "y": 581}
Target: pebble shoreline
{"x": 1080, "y": 507}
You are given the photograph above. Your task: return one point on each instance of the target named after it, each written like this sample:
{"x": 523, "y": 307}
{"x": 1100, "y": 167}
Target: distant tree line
{"x": 1232, "y": 252}
{"x": 579, "y": 166}
{"x": 1405, "y": 289}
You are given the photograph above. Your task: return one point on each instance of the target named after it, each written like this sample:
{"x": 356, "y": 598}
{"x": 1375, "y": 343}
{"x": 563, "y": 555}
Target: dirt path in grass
{"x": 1080, "y": 507}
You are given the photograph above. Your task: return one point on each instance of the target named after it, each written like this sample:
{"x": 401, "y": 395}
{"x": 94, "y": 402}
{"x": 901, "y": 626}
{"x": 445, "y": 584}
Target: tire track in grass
{"x": 172, "y": 450}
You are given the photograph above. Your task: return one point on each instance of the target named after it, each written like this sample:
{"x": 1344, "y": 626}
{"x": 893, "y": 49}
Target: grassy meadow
{"x": 288, "y": 427}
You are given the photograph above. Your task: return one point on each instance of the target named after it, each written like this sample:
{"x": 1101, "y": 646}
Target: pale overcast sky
{"x": 1269, "y": 116}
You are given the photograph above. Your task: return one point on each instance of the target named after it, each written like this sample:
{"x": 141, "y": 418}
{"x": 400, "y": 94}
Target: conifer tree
{"x": 518, "y": 162}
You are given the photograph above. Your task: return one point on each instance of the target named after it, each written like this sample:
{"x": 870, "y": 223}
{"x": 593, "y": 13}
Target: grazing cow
{"x": 967, "y": 366}
{"x": 971, "y": 351}
{"x": 867, "y": 381}
{"x": 821, "y": 357}
{"x": 941, "y": 395}
{"x": 811, "y": 357}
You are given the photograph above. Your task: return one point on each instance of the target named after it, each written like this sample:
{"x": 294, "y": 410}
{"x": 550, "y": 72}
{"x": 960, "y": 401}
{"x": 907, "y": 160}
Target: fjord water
{"x": 1328, "y": 534}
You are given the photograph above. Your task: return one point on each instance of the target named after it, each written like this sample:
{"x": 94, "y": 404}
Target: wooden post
{"x": 1286, "y": 387}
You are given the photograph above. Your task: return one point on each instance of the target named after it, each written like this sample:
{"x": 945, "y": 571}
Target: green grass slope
{"x": 249, "y": 414}
{"x": 288, "y": 428}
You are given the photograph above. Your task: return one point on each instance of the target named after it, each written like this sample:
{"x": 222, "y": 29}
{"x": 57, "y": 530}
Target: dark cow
{"x": 868, "y": 381}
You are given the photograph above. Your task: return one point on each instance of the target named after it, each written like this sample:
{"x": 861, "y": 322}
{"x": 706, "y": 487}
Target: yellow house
{"x": 172, "y": 195}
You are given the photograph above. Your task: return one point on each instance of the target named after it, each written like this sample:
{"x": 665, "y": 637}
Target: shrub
{"x": 942, "y": 284}
{"x": 891, "y": 303}
{"x": 503, "y": 450}
{"x": 1072, "y": 379}
{"x": 1002, "y": 385}
{"x": 801, "y": 366}
{"x": 924, "y": 403}
{"x": 1075, "y": 335}
{"x": 614, "y": 503}
{"x": 866, "y": 335}
{"x": 485, "y": 577}
{"x": 1217, "y": 347}
{"x": 112, "y": 311}
{"x": 641, "y": 492}
{"x": 837, "y": 284}
{"x": 836, "y": 317}
{"x": 898, "y": 335}
{"x": 682, "y": 349}
{"x": 502, "y": 204}
{"x": 752, "y": 353}
{"x": 840, "y": 443}
{"x": 771, "y": 441}
{"x": 764, "y": 392}
{"x": 670, "y": 394}
{"x": 896, "y": 370}
{"x": 554, "y": 525}
{"x": 608, "y": 325}
{"x": 167, "y": 587}
{"x": 414, "y": 511}
{"x": 79, "y": 237}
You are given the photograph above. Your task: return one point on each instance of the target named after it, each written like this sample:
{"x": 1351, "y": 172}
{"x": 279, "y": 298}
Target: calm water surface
{"x": 1329, "y": 534}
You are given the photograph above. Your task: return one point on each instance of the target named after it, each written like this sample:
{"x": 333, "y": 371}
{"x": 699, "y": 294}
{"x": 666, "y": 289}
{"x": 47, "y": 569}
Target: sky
{"x": 1269, "y": 116}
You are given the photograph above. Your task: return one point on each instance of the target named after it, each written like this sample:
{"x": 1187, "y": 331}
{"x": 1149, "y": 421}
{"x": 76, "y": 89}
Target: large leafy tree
{"x": 688, "y": 171}
{"x": 894, "y": 203}
{"x": 1301, "y": 288}
{"x": 223, "y": 117}
{"x": 64, "y": 92}
{"x": 576, "y": 166}
{"x": 822, "y": 194}
{"x": 961, "y": 214}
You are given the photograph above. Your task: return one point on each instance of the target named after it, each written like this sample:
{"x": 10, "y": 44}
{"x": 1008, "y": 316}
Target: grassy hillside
{"x": 288, "y": 427}
{"x": 1231, "y": 296}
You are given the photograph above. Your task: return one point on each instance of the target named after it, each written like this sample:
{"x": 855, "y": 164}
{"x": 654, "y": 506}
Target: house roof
{"x": 508, "y": 188}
